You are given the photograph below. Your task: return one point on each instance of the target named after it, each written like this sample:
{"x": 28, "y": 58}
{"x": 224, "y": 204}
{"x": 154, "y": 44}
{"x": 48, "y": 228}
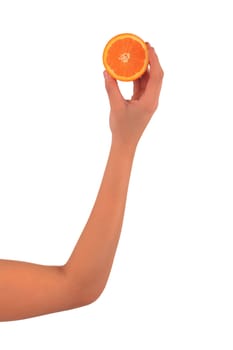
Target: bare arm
{"x": 28, "y": 290}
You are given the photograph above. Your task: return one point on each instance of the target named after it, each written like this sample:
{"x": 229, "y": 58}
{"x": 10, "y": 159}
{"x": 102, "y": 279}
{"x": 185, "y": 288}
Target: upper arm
{"x": 28, "y": 290}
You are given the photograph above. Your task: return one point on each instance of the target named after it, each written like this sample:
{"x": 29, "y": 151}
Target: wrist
{"x": 123, "y": 149}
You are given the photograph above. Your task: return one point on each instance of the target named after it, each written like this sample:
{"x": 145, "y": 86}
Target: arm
{"x": 28, "y": 290}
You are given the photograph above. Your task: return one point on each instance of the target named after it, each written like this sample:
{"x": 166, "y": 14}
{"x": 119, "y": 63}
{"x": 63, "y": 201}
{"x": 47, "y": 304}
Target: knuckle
{"x": 149, "y": 108}
{"x": 161, "y": 73}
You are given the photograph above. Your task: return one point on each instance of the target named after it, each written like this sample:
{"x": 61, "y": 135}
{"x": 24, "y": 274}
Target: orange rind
{"x": 125, "y": 57}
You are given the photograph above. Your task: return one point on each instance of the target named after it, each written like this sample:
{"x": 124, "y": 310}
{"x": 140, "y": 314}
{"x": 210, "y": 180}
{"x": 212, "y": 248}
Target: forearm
{"x": 93, "y": 255}
{"x": 28, "y": 290}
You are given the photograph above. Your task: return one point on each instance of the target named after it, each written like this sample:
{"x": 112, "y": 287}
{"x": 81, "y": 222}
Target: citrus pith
{"x": 125, "y": 57}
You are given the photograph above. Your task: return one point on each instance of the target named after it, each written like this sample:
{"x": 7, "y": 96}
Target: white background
{"x": 171, "y": 284}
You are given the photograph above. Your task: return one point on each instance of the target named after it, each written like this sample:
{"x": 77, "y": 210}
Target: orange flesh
{"x": 125, "y": 57}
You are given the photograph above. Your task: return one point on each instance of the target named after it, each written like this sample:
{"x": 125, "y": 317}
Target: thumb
{"x": 113, "y": 91}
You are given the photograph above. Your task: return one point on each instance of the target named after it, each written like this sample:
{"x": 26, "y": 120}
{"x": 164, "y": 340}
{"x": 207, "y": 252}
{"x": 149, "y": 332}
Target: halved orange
{"x": 125, "y": 57}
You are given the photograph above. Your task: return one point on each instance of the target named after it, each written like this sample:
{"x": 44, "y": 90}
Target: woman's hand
{"x": 129, "y": 118}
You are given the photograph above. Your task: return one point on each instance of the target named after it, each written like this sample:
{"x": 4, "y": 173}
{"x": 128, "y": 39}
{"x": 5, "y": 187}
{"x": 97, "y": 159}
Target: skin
{"x": 29, "y": 290}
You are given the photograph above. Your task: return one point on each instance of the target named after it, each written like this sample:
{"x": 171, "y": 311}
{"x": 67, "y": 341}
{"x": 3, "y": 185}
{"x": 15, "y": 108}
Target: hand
{"x": 129, "y": 118}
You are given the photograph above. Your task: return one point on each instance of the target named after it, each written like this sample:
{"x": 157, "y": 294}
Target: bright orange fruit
{"x": 125, "y": 57}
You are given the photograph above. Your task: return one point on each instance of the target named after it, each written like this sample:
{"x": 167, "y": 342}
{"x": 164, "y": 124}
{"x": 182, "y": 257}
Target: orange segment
{"x": 125, "y": 57}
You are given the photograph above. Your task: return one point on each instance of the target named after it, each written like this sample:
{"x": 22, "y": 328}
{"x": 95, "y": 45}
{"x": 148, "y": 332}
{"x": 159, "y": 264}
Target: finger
{"x": 136, "y": 89}
{"x": 113, "y": 91}
{"x": 156, "y": 70}
{"x": 140, "y": 85}
{"x": 154, "y": 83}
{"x": 144, "y": 80}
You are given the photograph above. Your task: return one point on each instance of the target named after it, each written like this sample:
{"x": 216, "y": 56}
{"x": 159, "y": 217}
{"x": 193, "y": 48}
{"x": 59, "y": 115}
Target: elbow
{"x": 90, "y": 295}
{"x": 82, "y": 290}
{"x": 83, "y": 298}
{"x": 81, "y": 293}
